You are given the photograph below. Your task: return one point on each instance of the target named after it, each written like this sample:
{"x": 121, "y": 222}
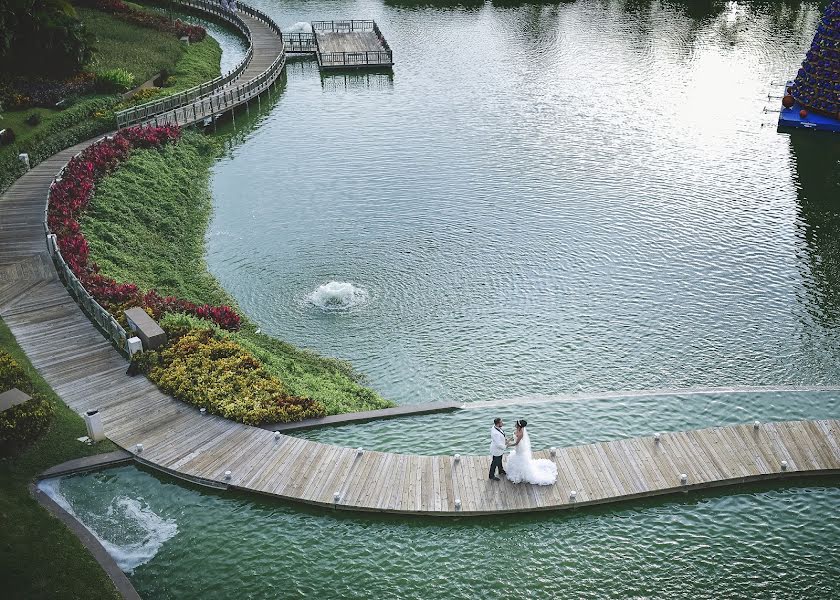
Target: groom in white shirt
{"x": 498, "y": 443}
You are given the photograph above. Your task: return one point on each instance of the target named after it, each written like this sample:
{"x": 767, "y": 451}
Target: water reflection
{"x": 357, "y": 79}
{"x": 440, "y": 4}
{"x": 817, "y": 175}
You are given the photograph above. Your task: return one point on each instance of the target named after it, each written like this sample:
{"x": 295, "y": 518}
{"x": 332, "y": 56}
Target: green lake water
{"x": 541, "y": 205}
{"x": 759, "y": 542}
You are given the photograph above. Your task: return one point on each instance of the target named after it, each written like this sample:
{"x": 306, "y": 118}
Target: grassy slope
{"x": 35, "y": 547}
{"x": 199, "y": 63}
{"x": 139, "y": 50}
{"x": 147, "y": 224}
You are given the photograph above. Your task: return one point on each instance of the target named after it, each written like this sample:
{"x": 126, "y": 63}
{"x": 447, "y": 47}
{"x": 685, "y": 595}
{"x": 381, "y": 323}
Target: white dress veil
{"x": 521, "y": 467}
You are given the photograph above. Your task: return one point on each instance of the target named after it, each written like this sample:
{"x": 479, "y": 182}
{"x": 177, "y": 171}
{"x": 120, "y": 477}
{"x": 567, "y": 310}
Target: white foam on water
{"x": 300, "y": 27}
{"x": 337, "y": 296}
{"x": 50, "y": 488}
{"x": 152, "y": 530}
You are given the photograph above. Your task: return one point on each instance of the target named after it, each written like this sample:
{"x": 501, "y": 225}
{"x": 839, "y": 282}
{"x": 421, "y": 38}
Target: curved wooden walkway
{"x": 266, "y": 65}
{"x": 88, "y": 373}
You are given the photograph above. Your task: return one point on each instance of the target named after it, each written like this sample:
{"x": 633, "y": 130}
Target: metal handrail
{"x": 106, "y": 321}
{"x": 345, "y": 25}
{"x": 299, "y": 42}
{"x": 137, "y": 114}
{"x": 369, "y": 57}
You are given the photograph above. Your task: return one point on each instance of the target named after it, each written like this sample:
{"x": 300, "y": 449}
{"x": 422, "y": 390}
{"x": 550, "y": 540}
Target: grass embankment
{"x": 146, "y": 225}
{"x": 140, "y": 50}
{"x": 36, "y": 547}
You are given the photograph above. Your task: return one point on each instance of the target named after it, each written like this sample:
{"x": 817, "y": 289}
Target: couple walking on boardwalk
{"x": 521, "y": 466}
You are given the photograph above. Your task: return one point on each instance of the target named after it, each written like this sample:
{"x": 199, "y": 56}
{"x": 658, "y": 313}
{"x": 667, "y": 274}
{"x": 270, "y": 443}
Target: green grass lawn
{"x": 146, "y": 225}
{"x": 17, "y": 121}
{"x": 39, "y": 556}
{"x": 141, "y": 51}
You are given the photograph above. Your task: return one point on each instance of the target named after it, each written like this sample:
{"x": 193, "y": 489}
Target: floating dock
{"x": 349, "y": 44}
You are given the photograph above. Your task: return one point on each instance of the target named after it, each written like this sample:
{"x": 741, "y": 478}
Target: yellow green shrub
{"x": 208, "y": 371}
{"x": 22, "y": 423}
{"x": 12, "y": 374}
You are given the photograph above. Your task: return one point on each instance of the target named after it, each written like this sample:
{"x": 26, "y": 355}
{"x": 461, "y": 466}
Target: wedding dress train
{"x": 521, "y": 467}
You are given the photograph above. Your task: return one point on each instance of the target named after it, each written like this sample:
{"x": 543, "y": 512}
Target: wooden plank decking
{"x": 351, "y": 44}
{"x": 88, "y": 373}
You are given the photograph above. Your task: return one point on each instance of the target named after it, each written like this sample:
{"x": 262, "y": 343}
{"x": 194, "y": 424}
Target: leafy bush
{"x": 34, "y": 119}
{"x": 212, "y": 372}
{"x": 24, "y": 422}
{"x": 114, "y": 80}
{"x": 27, "y": 92}
{"x": 12, "y": 374}
{"x": 42, "y": 37}
{"x": 141, "y": 97}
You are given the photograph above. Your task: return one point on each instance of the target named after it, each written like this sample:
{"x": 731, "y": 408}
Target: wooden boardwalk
{"x": 87, "y": 373}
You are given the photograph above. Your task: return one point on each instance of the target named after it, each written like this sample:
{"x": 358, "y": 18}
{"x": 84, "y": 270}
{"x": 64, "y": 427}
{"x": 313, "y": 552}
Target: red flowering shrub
{"x": 70, "y": 195}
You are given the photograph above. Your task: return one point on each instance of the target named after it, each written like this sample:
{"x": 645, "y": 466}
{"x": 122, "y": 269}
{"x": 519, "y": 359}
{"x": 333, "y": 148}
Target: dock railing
{"x": 144, "y": 112}
{"x": 299, "y": 43}
{"x": 355, "y": 59}
{"x": 106, "y": 322}
{"x": 344, "y": 26}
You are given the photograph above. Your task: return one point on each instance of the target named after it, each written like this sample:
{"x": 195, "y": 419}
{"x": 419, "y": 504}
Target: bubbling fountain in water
{"x": 300, "y": 27}
{"x": 338, "y": 296}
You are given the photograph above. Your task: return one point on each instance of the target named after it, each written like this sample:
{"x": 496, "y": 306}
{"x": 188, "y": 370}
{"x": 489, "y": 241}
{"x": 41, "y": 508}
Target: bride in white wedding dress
{"x": 521, "y": 467}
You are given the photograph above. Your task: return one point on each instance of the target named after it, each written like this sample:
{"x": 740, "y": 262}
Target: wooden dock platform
{"x": 351, "y": 44}
{"x": 88, "y": 373}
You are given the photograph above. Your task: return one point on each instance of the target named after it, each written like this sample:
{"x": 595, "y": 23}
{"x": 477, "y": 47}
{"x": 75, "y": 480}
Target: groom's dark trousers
{"x": 496, "y": 464}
